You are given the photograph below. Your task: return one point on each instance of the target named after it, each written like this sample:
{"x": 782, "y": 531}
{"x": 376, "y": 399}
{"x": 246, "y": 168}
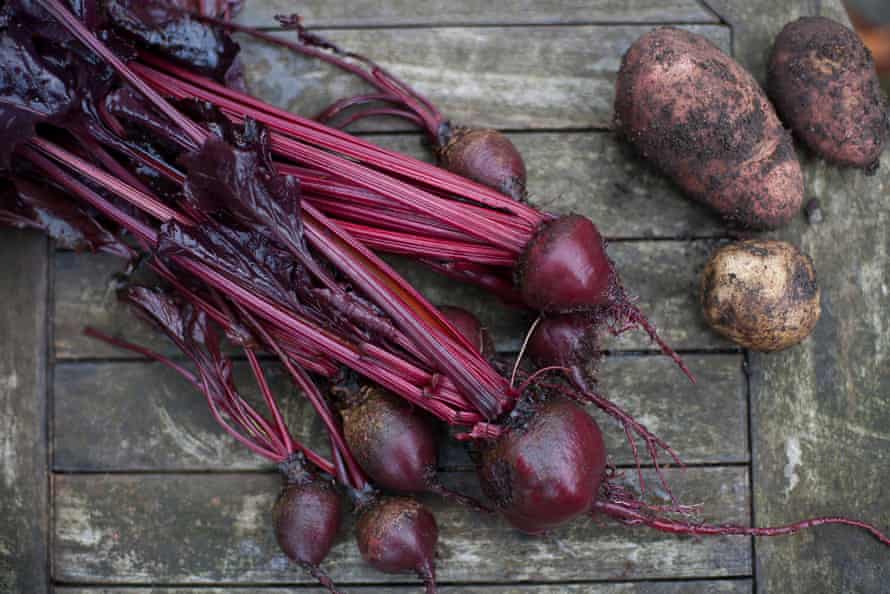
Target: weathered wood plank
{"x": 501, "y": 77}
{"x": 141, "y": 417}
{"x": 664, "y": 274}
{"x": 373, "y": 13}
{"x": 23, "y": 454}
{"x": 734, "y": 586}
{"x": 824, "y": 402}
{"x": 215, "y": 529}
{"x": 597, "y": 175}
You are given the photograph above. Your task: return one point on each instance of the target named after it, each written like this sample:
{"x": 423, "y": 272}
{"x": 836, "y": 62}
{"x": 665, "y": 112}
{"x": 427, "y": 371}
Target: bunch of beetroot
{"x": 261, "y": 225}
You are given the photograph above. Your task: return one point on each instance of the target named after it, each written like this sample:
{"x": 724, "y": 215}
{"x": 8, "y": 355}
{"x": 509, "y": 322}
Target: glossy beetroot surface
{"x": 398, "y": 534}
{"x": 393, "y": 442}
{"x": 548, "y": 469}
{"x": 565, "y": 268}
{"x": 485, "y": 156}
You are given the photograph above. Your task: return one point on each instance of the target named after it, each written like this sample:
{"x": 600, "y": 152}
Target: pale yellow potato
{"x": 761, "y": 294}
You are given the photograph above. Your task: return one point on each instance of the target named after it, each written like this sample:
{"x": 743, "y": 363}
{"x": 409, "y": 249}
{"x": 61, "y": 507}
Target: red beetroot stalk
{"x": 307, "y": 512}
{"x": 570, "y": 274}
{"x": 287, "y": 322}
{"x": 408, "y": 308}
{"x": 483, "y": 155}
{"x": 322, "y": 136}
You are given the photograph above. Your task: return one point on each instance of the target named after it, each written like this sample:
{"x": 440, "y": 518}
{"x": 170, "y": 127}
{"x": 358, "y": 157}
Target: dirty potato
{"x": 762, "y": 294}
{"x": 702, "y": 119}
{"x": 823, "y": 82}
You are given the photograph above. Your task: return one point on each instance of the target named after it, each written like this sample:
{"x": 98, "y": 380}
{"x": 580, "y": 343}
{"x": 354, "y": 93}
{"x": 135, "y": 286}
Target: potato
{"x": 703, "y": 120}
{"x": 761, "y": 294}
{"x": 823, "y": 82}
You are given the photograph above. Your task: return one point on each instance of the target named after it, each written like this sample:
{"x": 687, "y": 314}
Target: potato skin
{"x": 823, "y": 82}
{"x": 761, "y": 294}
{"x": 703, "y": 120}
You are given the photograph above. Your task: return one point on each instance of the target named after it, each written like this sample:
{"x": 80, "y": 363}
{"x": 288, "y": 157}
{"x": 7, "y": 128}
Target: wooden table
{"x": 114, "y": 478}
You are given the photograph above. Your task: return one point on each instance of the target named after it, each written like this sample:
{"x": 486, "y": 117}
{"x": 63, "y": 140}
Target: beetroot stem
{"x": 269, "y": 398}
{"x": 341, "y": 105}
{"x": 378, "y": 112}
{"x": 145, "y": 352}
{"x": 190, "y": 85}
{"x": 318, "y": 402}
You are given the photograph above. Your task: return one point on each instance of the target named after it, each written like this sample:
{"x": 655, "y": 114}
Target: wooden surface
{"x": 148, "y": 496}
{"x": 24, "y": 509}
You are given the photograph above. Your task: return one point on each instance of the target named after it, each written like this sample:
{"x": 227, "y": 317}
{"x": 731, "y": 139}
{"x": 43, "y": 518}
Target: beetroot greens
{"x": 254, "y": 263}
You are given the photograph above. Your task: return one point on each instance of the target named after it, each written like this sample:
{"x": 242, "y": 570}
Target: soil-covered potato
{"x": 823, "y": 82}
{"x": 703, "y": 120}
{"x": 762, "y": 294}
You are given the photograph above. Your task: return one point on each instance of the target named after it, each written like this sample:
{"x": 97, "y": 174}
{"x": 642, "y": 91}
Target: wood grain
{"x": 663, "y": 274}
{"x": 23, "y": 442}
{"x": 394, "y": 13}
{"x": 516, "y": 78}
{"x": 124, "y": 417}
{"x": 194, "y": 529}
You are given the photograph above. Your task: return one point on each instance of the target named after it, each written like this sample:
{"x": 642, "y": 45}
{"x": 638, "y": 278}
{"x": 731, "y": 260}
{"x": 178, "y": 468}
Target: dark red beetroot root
{"x": 471, "y": 328}
{"x": 550, "y": 467}
{"x": 564, "y": 268}
{"x": 485, "y": 156}
{"x": 398, "y": 535}
{"x": 546, "y": 469}
{"x": 394, "y": 443}
{"x": 568, "y": 341}
{"x": 307, "y": 517}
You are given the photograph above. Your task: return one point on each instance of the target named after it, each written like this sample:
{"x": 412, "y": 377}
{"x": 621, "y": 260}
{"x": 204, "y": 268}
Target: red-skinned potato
{"x": 703, "y": 120}
{"x": 823, "y": 82}
{"x": 761, "y": 294}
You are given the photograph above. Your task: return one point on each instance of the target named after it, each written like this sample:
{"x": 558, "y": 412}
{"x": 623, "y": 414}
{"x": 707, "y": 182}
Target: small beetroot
{"x": 485, "y": 156}
{"x": 398, "y": 535}
{"x": 471, "y": 328}
{"x": 393, "y": 442}
{"x": 307, "y": 517}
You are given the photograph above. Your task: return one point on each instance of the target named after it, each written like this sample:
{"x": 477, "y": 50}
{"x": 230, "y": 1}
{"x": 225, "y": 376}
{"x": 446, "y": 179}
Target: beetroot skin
{"x": 485, "y": 156}
{"x": 564, "y": 268}
{"x": 307, "y": 517}
{"x": 548, "y": 469}
{"x": 470, "y": 328}
{"x": 393, "y": 442}
{"x": 397, "y": 535}
{"x": 566, "y": 341}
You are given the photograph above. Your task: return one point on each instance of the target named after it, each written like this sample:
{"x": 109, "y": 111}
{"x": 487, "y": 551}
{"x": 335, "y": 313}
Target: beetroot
{"x": 547, "y": 468}
{"x": 565, "y": 268}
{"x": 307, "y": 516}
{"x": 393, "y": 442}
{"x": 397, "y": 535}
{"x": 485, "y": 156}
{"x": 568, "y": 341}
{"x": 471, "y": 328}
